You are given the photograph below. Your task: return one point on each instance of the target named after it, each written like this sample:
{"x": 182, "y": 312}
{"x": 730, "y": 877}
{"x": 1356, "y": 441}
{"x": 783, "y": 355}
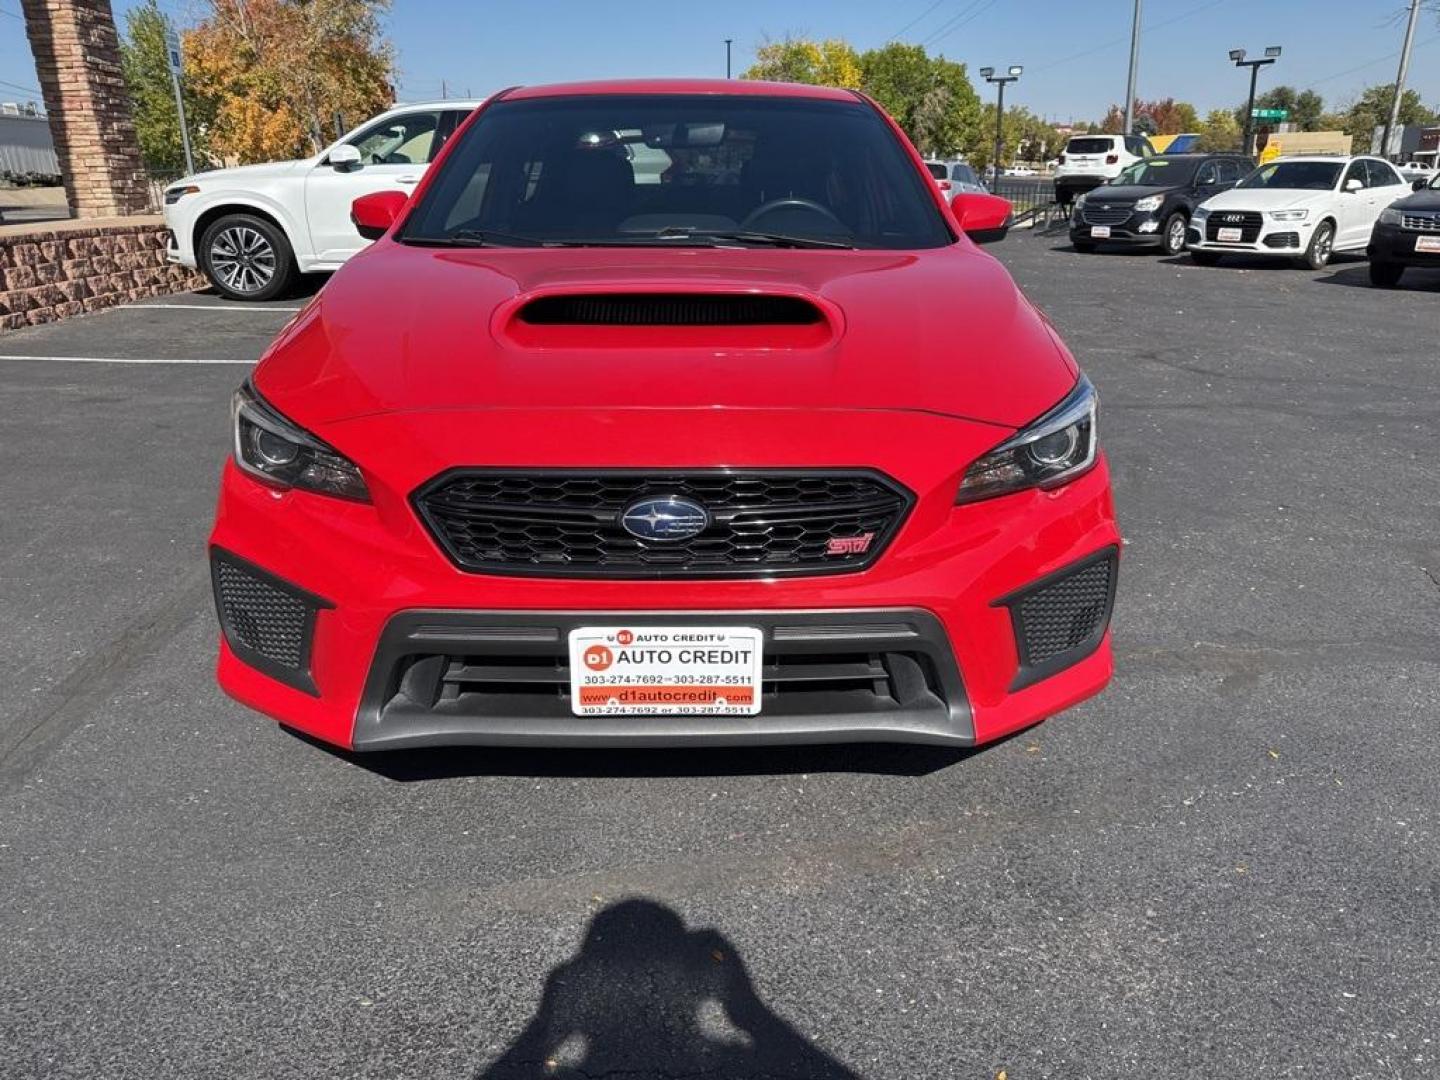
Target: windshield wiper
{"x": 753, "y": 236}
{"x": 473, "y": 238}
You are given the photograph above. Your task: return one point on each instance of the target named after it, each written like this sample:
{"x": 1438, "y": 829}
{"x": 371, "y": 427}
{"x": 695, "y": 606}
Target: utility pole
{"x": 727, "y": 56}
{"x": 1394, "y": 117}
{"x": 444, "y": 91}
{"x": 1134, "y": 69}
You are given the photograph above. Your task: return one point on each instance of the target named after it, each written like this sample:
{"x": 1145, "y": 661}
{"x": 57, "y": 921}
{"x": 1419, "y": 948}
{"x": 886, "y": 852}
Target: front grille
{"x": 1247, "y": 221}
{"x": 1062, "y": 618}
{"x": 1107, "y": 214}
{"x": 1283, "y": 240}
{"x": 443, "y": 677}
{"x": 1421, "y": 222}
{"x": 568, "y": 524}
{"x": 267, "y": 622}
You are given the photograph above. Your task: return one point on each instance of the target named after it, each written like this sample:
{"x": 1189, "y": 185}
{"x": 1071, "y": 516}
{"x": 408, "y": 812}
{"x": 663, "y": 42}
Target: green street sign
{"x": 1270, "y": 114}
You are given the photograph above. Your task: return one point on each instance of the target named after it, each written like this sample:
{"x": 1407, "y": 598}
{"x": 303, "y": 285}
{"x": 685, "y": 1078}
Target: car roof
{"x": 742, "y": 87}
{"x": 1332, "y": 158}
{"x": 438, "y": 103}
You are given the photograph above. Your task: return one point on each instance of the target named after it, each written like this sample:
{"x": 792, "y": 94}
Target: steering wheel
{"x": 792, "y": 202}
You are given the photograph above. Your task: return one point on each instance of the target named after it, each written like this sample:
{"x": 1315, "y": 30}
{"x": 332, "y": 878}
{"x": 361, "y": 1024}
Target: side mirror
{"x": 373, "y": 214}
{"x": 983, "y": 218}
{"x": 1353, "y": 184}
{"x": 344, "y": 156}
{"x": 1419, "y": 185}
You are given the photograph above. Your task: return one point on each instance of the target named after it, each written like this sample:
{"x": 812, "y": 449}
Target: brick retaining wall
{"x": 50, "y": 272}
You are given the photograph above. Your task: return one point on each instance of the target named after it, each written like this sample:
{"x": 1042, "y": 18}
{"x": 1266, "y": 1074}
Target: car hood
{"x": 247, "y": 173}
{"x": 405, "y": 328}
{"x": 1426, "y": 199}
{"x": 1128, "y": 192}
{"x": 1266, "y": 199}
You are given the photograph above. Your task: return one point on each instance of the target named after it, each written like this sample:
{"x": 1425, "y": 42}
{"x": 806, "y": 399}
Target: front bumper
{"x": 1277, "y": 239}
{"x": 1138, "y": 230}
{"x": 1395, "y": 245}
{"x": 379, "y": 591}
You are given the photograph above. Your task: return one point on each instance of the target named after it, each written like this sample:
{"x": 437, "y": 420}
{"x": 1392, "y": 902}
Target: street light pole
{"x": 1272, "y": 53}
{"x": 727, "y": 56}
{"x": 988, "y": 74}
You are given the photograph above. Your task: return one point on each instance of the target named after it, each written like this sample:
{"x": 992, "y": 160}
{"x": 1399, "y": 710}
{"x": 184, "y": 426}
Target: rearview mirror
{"x": 373, "y": 214}
{"x": 344, "y": 156}
{"x": 983, "y": 218}
{"x": 1353, "y": 184}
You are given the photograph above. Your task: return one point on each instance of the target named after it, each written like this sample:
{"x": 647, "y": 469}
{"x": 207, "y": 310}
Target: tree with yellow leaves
{"x": 277, "y": 72}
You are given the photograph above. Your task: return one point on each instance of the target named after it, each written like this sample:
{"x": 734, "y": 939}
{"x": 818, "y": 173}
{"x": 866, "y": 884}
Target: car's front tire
{"x": 247, "y": 257}
{"x": 1206, "y": 258}
{"x": 1322, "y": 245}
{"x": 1385, "y": 275}
{"x": 1172, "y": 234}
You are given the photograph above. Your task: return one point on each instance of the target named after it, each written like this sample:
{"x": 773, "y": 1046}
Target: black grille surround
{"x": 267, "y": 622}
{"x": 1249, "y": 222}
{"x": 501, "y": 678}
{"x": 567, "y": 523}
{"x": 1107, "y": 213}
{"x": 1062, "y": 618}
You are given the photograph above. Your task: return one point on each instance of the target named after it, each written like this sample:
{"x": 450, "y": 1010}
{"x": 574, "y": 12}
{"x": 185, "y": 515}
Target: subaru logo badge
{"x": 666, "y": 517}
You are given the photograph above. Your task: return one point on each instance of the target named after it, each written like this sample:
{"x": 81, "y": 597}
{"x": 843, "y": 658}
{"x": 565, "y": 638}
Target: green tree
{"x": 930, "y": 97}
{"x": 1304, "y": 106}
{"x": 1372, "y": 109}
{"x": 152, "y": 98}
{"x": 824, "y": 63}
{"x": 1219, "y": 131}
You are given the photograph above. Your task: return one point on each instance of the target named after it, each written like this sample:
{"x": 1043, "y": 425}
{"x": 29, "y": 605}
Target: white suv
{"x": 1303, "y": 207}
{"x": 252, "y": 229}
{"x": 1090, "y": 160}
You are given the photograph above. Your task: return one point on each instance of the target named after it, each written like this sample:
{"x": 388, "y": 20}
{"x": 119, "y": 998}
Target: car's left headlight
{"x": 277, "y": 451}
{"x": 1053, "y": 450}
{"x": 1149, "y": 203}
{"x": 1200, "y": 214}
{"x": 1289, "y": 215}
{"x": 1391, "y": 216}
{"x": 175, "y": 194}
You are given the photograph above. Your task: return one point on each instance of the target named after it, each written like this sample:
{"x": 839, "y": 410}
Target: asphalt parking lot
{"x": 1228, "y": 864}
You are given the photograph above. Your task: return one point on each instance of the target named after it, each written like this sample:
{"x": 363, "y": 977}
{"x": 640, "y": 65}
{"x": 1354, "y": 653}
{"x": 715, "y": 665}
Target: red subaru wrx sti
{"x": 667, "y": 412}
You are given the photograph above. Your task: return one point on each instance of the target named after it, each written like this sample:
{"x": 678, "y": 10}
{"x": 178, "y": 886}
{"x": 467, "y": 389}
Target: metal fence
{"x": 155, "y": 184}
{"x": 1025, "y": 192}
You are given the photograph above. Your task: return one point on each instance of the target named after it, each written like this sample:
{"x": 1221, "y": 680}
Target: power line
{"x": 918, "y": 19}
{"x": 17, "y": 86}
{"x": 954, "y": 23}
{"x": 1122, "y": 40}
{"x": 1367, "y": 63}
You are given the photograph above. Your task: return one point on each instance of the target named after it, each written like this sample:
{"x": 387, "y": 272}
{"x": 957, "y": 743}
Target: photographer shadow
{"x": 647, "y": 997}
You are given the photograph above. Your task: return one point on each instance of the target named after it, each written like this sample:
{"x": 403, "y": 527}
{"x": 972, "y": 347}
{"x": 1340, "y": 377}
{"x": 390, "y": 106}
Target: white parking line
{"x": 124, "y": 359}
{"x": 200, "y": 307}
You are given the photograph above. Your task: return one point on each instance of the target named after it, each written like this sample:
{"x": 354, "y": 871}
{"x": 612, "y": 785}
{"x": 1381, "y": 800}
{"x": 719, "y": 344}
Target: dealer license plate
{"x": 1099, "y": 232}
{"x": 1229, "y": 236}
{"x": 665, "y": 670}
{"x": 1427, "y": 243}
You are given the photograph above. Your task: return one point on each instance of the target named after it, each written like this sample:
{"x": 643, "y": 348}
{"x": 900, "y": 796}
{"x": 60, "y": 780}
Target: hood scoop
{"x": 597, "y": 320}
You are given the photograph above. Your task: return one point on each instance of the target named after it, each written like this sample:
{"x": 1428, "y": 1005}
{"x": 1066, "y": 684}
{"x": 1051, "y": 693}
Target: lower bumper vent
{"x": 267, "y": 622}
{"x": 1062, "y": 618}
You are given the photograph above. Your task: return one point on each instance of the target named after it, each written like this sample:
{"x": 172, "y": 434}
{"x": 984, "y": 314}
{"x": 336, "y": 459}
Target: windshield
{"x": 1157, "y": 172}
{"x": 1303, "y": 175}
{"x": 937, "y": 169}
{"x": 1090, "y": 146}
{"x": 671, "y": 169}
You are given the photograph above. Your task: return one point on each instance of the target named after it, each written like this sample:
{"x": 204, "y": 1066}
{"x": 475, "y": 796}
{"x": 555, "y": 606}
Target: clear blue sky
{"x": 1333, "y": 46}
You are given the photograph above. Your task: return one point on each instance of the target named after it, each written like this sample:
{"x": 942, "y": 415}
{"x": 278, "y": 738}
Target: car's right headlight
{"x": 1053, "y": 450}
{"x": 1391, "y": 216}
{"x": 275, "y": 450}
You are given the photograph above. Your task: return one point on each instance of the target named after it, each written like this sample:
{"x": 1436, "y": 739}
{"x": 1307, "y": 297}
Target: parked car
{"x": 954, "y": 177}
{"x": 1416, "y": 170}
{"x": 1407, "y": 233}
{"x": 765, "y": 452}
{"x": 1020, "y": 170}
{"x": 1090, "y": 160}
{"x": 1150, "y": 203}
{"x": 251, "y": 229}
{"x": 1303, "y": 208}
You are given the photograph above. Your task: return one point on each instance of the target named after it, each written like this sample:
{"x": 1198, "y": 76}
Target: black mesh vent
{"x": 1283, "y": 240}
{"x": 1063, "y": 618}
{"x": 1247, "y": 221}
{"x": 567, "y": 524}
{"x": 669, "y": 309}
{"x": 267, "y": 622}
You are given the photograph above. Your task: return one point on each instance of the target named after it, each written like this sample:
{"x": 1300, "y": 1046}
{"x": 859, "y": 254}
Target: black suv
{"x": 1407, "y": 233}
{"x": 1150, "y": 203}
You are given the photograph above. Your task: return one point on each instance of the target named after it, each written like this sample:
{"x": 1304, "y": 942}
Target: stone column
{"x": 77, "y": 57}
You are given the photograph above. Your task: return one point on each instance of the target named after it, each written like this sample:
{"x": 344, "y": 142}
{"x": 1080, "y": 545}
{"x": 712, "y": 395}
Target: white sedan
{"x": 1303, "y": 208}
{"x": 251, "y": 229}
